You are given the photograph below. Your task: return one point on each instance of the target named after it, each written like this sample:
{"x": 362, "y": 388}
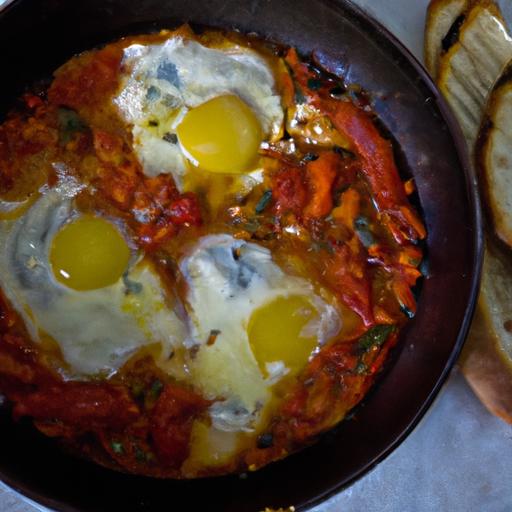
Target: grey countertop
{"x": 459, "y": 458}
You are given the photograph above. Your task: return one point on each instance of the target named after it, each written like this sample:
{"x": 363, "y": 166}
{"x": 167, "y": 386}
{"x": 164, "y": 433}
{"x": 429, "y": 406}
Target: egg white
{"x": 228, "y": 279}
{"x": 97, "y": 330}
{"x": 165, "y": 80}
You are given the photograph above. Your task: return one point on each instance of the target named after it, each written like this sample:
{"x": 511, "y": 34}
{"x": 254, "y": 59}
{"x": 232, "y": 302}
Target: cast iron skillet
{"x": 38, "y": 35}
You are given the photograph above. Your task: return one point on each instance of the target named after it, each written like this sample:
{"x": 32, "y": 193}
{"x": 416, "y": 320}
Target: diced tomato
{"x": 108, "y": 147}
{"x": 171, "y": 423}
{"x": 290, "y": 190}
{"x": 154, "y": 234}
{"x": 185, "y": 210}
{"x": 375, "y": 152}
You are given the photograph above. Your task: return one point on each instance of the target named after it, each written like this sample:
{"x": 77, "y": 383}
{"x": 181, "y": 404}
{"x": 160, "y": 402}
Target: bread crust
{"x": 493, "y": 154}
{"x": 470, "y": 68}
{"x": 485, "y": 365}
{"x": 438, "y": 23}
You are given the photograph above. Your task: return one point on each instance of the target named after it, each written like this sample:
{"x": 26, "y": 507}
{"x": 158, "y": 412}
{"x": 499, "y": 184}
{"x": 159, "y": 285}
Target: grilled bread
{"x": 494, "y": 158}
{"x": 442, "y": 16}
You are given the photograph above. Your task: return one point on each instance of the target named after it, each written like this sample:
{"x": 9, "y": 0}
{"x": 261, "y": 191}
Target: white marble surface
{"x": 460, "y": 457}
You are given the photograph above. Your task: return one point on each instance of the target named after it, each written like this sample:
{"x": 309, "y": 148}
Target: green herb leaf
{"x": 131, "y": 287}
{"x": 300, "y": 99}
{"x": 69, "y": 123}
{"x": 156, "y": 388}
{"x": 310, "y": 157}
{"x": 117, "y": 447}
{"x": 337, "y": 91}
{"x": 252, "y": 225}
{"x": 406, "y": 311}
{"x": 375, "y": 337}
{"x": 140, "y": 455}
{"x": 172, "y": 138}
{"x": 362, "y": 228}
{"x": 265, "y": 441}
{"x": 361, "y": 368}
{"x": 264, "y": 201}
{"x": 314, "y": 84}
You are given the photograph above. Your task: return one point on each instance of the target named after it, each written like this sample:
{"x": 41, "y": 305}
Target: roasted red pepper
{"x": 375, "y": 152}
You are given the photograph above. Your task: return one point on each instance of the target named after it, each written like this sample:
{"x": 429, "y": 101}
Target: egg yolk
{"x": 89, "y": 253}
{"x": 276, "y": 333}
{"x": 221, "y": 135}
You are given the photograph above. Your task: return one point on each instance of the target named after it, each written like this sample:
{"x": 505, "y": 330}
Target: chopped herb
{"x": 212, "y": 338}
{"x": 153, "y": 93}
{"x": 310, "y": 157}
{"x": 353, "y": 95}
{"x": 153, "y": 122}
{"x": 156, "y": 388}
{"x": 314, "y": 84}
{"x": 263, "y": 202}
{"x": 131, "y": 287}
{"x": 137, "y": 389}
{"x": 345, "y": 153}
{"x": 70, "y": 123}
{"x": 337, "y": 91}
{"x": 265, "y": 441}
{"x": 322, "y": 245}
{"x": 300, "y": 99}
{"x": 117, "y": 447}
{"x": 361, "y": 368}
{"x": 375, "y": 337}
{"x": 406, "y": 311}
{"x": 362, "y": 228}
{"x": 170, "y": 137}
{"x": 425, "y": 268}
{"x": 252, "y": 225}
{"x": 140, "y": 455}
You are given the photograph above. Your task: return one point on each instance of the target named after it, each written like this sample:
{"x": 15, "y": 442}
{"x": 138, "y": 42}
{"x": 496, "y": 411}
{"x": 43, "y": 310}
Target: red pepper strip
{"x": 87, "y": 405}
{"x": 171, "y": 423}
{"x": 346, "y": 270}
{"x": 375, "y": 152}
{"x": 321, "y": 174}
{"x": 378, "y": 166}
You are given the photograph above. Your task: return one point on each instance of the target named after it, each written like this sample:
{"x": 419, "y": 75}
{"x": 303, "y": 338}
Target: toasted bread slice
{"x": 486, "y": 360}
{"x": 469, "y": 70}
{"x": 442, "y": 16}
{"x": 494, "y": 158}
